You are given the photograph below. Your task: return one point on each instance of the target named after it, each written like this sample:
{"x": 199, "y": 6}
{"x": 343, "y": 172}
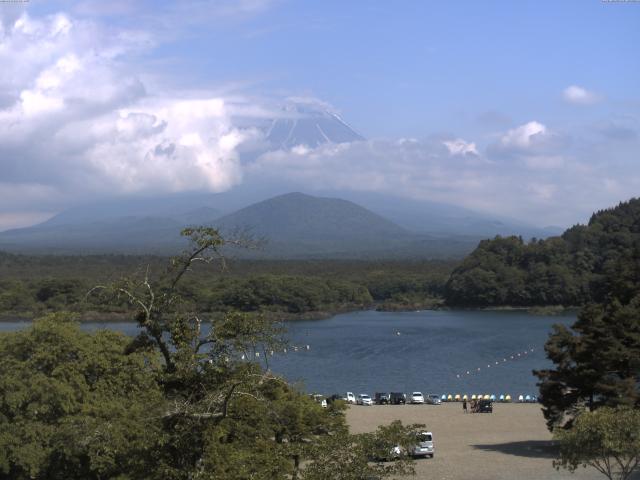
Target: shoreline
{"x": 124, "y": 317}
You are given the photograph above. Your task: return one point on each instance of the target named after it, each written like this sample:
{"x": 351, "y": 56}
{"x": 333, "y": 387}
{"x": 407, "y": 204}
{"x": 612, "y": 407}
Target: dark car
{"x": 382, "y": 398}
{"x": 398, "y": 398}
{"x": 485, "y": 406}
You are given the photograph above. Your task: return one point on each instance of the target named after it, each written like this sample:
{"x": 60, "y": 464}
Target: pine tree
{"x": 597, "y": 362}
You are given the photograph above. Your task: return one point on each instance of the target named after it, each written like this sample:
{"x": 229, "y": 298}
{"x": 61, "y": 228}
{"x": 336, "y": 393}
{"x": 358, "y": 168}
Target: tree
{"x": 368, "y": 455}
{"x": 183, "y": 400}
{"x": 74, "y": 406}
{"x": 227, "y": 415}
{"x": 597, "y": 362}
{"x": 607, "y": 439}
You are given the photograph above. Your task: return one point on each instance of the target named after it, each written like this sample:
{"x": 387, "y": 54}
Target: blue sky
{"x": 407, "y": 67}
{"x": 562, "y": 77}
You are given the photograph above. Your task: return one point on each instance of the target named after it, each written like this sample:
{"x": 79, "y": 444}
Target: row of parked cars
{"x": 393, "y": 398}
{"x": 484, "y": 402}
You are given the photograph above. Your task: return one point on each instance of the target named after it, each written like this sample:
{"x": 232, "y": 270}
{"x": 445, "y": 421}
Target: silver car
{"x": 433, "y": 399}
{"x": 423, "y": 446}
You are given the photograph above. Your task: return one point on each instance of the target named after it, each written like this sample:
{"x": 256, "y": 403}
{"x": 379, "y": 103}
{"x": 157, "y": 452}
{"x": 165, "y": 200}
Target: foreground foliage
{"x": 183, "y": 400}
{"x": 607, "y": 439}
{"x": 73, "y": 405}
{"x": 367, "y": 455}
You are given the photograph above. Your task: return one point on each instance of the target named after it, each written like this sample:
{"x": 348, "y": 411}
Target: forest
{"x": 36, "y": 285}
{"x": 585, "y": 264}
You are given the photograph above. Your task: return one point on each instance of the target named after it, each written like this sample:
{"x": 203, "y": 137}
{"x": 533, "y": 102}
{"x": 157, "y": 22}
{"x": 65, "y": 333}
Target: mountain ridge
{"x": 297, "y": 225}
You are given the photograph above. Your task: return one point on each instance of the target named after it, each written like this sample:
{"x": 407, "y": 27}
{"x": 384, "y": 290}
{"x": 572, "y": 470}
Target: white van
{"x": 350, "y": 398}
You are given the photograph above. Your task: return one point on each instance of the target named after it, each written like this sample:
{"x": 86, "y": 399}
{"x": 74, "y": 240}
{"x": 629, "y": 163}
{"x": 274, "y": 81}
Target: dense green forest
{"x": 585, "y": 264}
{"x": 33, "y": 285}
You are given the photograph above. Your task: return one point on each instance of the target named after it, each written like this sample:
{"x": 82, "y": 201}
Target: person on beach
{"x": 464, "y": 406}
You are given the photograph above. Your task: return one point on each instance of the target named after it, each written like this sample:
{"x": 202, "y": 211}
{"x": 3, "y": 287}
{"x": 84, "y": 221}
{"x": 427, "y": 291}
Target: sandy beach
{"x": 511, "y": 443}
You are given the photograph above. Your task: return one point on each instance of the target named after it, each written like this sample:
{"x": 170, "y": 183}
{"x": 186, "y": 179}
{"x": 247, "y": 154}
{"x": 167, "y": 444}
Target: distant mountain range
{"x": 295, "y": 225}
{"x": 443, "y": 219}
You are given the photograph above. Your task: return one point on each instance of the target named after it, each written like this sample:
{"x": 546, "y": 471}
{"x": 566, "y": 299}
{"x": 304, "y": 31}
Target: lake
{"x": 428, "y": 351}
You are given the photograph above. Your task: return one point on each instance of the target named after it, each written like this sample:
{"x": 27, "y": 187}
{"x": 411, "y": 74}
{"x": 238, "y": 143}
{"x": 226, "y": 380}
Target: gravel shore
{"x": 510, "y": 443}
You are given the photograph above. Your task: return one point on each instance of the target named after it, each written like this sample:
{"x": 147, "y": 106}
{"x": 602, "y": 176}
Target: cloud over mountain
{"x": 527, "y": 172}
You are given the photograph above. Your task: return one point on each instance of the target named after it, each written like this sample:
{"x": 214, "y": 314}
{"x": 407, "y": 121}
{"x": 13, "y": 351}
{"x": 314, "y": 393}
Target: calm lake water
{"x": 369, "y": 351}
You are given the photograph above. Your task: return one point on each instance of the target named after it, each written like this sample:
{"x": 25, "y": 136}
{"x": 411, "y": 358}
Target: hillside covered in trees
{"x": 587, "y": 263}
{"x": 35, "y": 285}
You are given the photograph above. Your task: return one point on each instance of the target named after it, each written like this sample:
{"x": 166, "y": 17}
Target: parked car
{"x": 433, "y": 399}
{"x": 417, "y": 398}
{"x": 382, "y": 453}
{"x": 382, "y": 398}
{"x": 424, "y": 445}
{"x": 319, "y": 399}
{"x": 398, "y": 398}
{"x": 364, "y": 399}
{"x": 350, "y": 398}
{"x": 484, "y": 406}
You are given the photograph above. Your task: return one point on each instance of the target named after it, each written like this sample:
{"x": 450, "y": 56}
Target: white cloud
{"x": 545, "y": 184}
{"x": 532, "y": 146}
{"x": 167, "y": 145}
{"x": 300, "y": 150}
{"x": 78, "y": 119}
{"x": 579, "y": 95}
{"x": 524, "y": 136}
{"x": 460, "y": 147}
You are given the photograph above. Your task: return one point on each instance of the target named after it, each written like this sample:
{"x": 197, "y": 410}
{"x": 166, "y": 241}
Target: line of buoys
{"x": 291, "y": 349}
{"x": 294, "y": 348}
{"x": 515, "y": 356}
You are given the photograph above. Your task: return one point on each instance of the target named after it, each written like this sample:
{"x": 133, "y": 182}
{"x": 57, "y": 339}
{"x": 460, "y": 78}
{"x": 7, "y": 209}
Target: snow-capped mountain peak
{"x": 306, "y": 124}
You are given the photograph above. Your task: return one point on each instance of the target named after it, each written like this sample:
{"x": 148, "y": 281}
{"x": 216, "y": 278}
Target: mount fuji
{"x": 308, "y": 125}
